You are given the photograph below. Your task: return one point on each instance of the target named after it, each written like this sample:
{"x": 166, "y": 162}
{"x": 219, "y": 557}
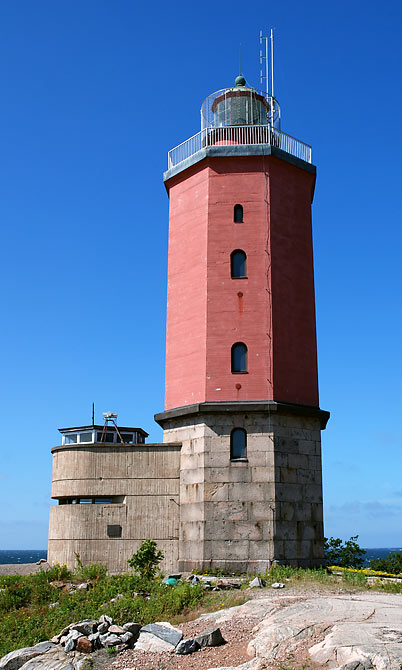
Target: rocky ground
{"x": 237, "y": 632}
{"x": 305, "y": 628}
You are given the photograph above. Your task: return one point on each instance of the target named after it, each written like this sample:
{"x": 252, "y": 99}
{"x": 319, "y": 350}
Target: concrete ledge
{"x": 108, "y": 446}
{"x": 228, "y": 151}
{"x": 234, "y": 407}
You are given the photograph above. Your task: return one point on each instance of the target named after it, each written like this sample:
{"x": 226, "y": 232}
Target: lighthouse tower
{"x": 241, "y": 360}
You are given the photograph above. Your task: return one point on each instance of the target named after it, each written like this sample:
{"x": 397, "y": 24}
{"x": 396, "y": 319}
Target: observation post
{"x": 112, "y": 491}
{"x": 241, "y": 390}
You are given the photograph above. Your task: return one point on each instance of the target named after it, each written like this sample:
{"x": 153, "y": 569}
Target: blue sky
{"x": 94, "y": 94}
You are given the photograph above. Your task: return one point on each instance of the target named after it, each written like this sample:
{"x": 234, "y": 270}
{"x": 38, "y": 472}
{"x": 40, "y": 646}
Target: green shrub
{"x": 18, "y": 594}
{"x": 92, "y": 572}
{"x": 57, "y": 573}
{"x": 346, "y": 554}
{"x": 391, "y": 563}
{"x": 145, "y": 561}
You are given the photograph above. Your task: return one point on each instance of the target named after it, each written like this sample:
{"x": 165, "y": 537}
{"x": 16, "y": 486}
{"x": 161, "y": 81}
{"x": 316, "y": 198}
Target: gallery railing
{"x": 238, "y": 135}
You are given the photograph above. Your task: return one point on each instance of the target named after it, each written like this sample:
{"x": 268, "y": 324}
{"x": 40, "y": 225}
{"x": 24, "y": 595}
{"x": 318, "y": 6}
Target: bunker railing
{"x": 239, "y": 135}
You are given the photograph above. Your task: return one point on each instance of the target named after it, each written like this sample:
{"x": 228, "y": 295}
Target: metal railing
{"x": 238, "y": 135}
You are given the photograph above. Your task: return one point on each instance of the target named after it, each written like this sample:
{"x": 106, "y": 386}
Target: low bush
{"x": 346, "y": 554}
{"x": 391, "y": 563}
{"x": 56, "y": 573}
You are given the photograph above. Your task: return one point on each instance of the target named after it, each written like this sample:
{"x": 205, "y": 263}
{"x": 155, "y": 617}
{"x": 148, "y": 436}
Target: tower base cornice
{"x": 270, "y": 406}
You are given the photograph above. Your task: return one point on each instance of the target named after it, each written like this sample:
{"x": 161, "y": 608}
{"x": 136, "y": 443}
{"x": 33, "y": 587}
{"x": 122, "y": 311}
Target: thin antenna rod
{"x": 93, "y": 413}
{"x": 274, "y": 110}
{"x": 272, "y": 63}
{"x": 240, "y": 72}
{"x": 266, "y": 76}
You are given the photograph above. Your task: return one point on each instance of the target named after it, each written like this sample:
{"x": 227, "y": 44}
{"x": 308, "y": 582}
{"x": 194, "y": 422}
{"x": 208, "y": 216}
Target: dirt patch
{"x": 237, "y": 630}
{"x": 237, "y": 633}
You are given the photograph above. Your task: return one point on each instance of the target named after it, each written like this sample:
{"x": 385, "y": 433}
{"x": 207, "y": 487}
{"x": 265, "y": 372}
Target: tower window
{"x": 239, "y": 357}
{"x": 238, "y": 214}
{"x": 238, "y": 444}
{"x": 238, "y": 264}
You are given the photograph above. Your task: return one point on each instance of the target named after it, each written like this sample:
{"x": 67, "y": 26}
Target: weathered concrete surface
{"x": 364, "y": 628}
{"x": 145, "y": 478}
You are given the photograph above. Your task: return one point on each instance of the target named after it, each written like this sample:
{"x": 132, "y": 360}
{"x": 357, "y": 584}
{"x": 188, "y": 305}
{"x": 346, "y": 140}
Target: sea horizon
{"x": 14, "y": 556}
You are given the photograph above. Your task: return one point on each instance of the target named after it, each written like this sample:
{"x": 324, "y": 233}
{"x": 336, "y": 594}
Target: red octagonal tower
{"x": 241, "y": 360}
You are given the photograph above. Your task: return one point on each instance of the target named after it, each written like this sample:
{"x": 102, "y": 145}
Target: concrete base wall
{"x": 113, "y": 553}
{"x": 245, "y": 516}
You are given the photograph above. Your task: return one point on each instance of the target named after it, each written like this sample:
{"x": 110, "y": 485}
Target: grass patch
{"x": 298, "y": 576}
{"x": 328, "y": 579}
{"x": 26, "y": 618}
{"x": 355, "y": 579}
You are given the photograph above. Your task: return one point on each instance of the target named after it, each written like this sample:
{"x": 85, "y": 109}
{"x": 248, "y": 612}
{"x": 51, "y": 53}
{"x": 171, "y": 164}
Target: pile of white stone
{"x": 69, "y": 649}
{"x": 91, "y": 634}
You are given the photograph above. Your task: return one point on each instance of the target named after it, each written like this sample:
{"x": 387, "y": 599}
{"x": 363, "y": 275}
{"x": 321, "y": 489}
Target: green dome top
{"x": 240, "y": 81}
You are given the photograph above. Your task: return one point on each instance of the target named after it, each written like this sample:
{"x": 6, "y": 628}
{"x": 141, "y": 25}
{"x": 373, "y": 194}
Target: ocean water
{"x": 33, "y": 555}
{"x": 21, "y": 556}
{"x": 380, "y": 552}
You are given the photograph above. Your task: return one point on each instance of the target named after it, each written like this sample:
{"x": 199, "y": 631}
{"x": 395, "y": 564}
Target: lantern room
{"x": 239, "y": 105}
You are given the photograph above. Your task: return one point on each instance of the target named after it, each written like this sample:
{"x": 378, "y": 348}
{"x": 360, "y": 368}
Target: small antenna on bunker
{"x": 110, "y": 418}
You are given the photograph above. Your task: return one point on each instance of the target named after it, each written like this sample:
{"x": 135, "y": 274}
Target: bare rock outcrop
{"x": 16, "y": 659}
{"x": 364, "y": 629}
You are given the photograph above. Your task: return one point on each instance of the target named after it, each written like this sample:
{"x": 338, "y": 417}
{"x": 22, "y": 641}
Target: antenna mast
{"x": 272, "y": 63}
{"x": 262, "y": 58}
{"x": 269, "y": 42}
